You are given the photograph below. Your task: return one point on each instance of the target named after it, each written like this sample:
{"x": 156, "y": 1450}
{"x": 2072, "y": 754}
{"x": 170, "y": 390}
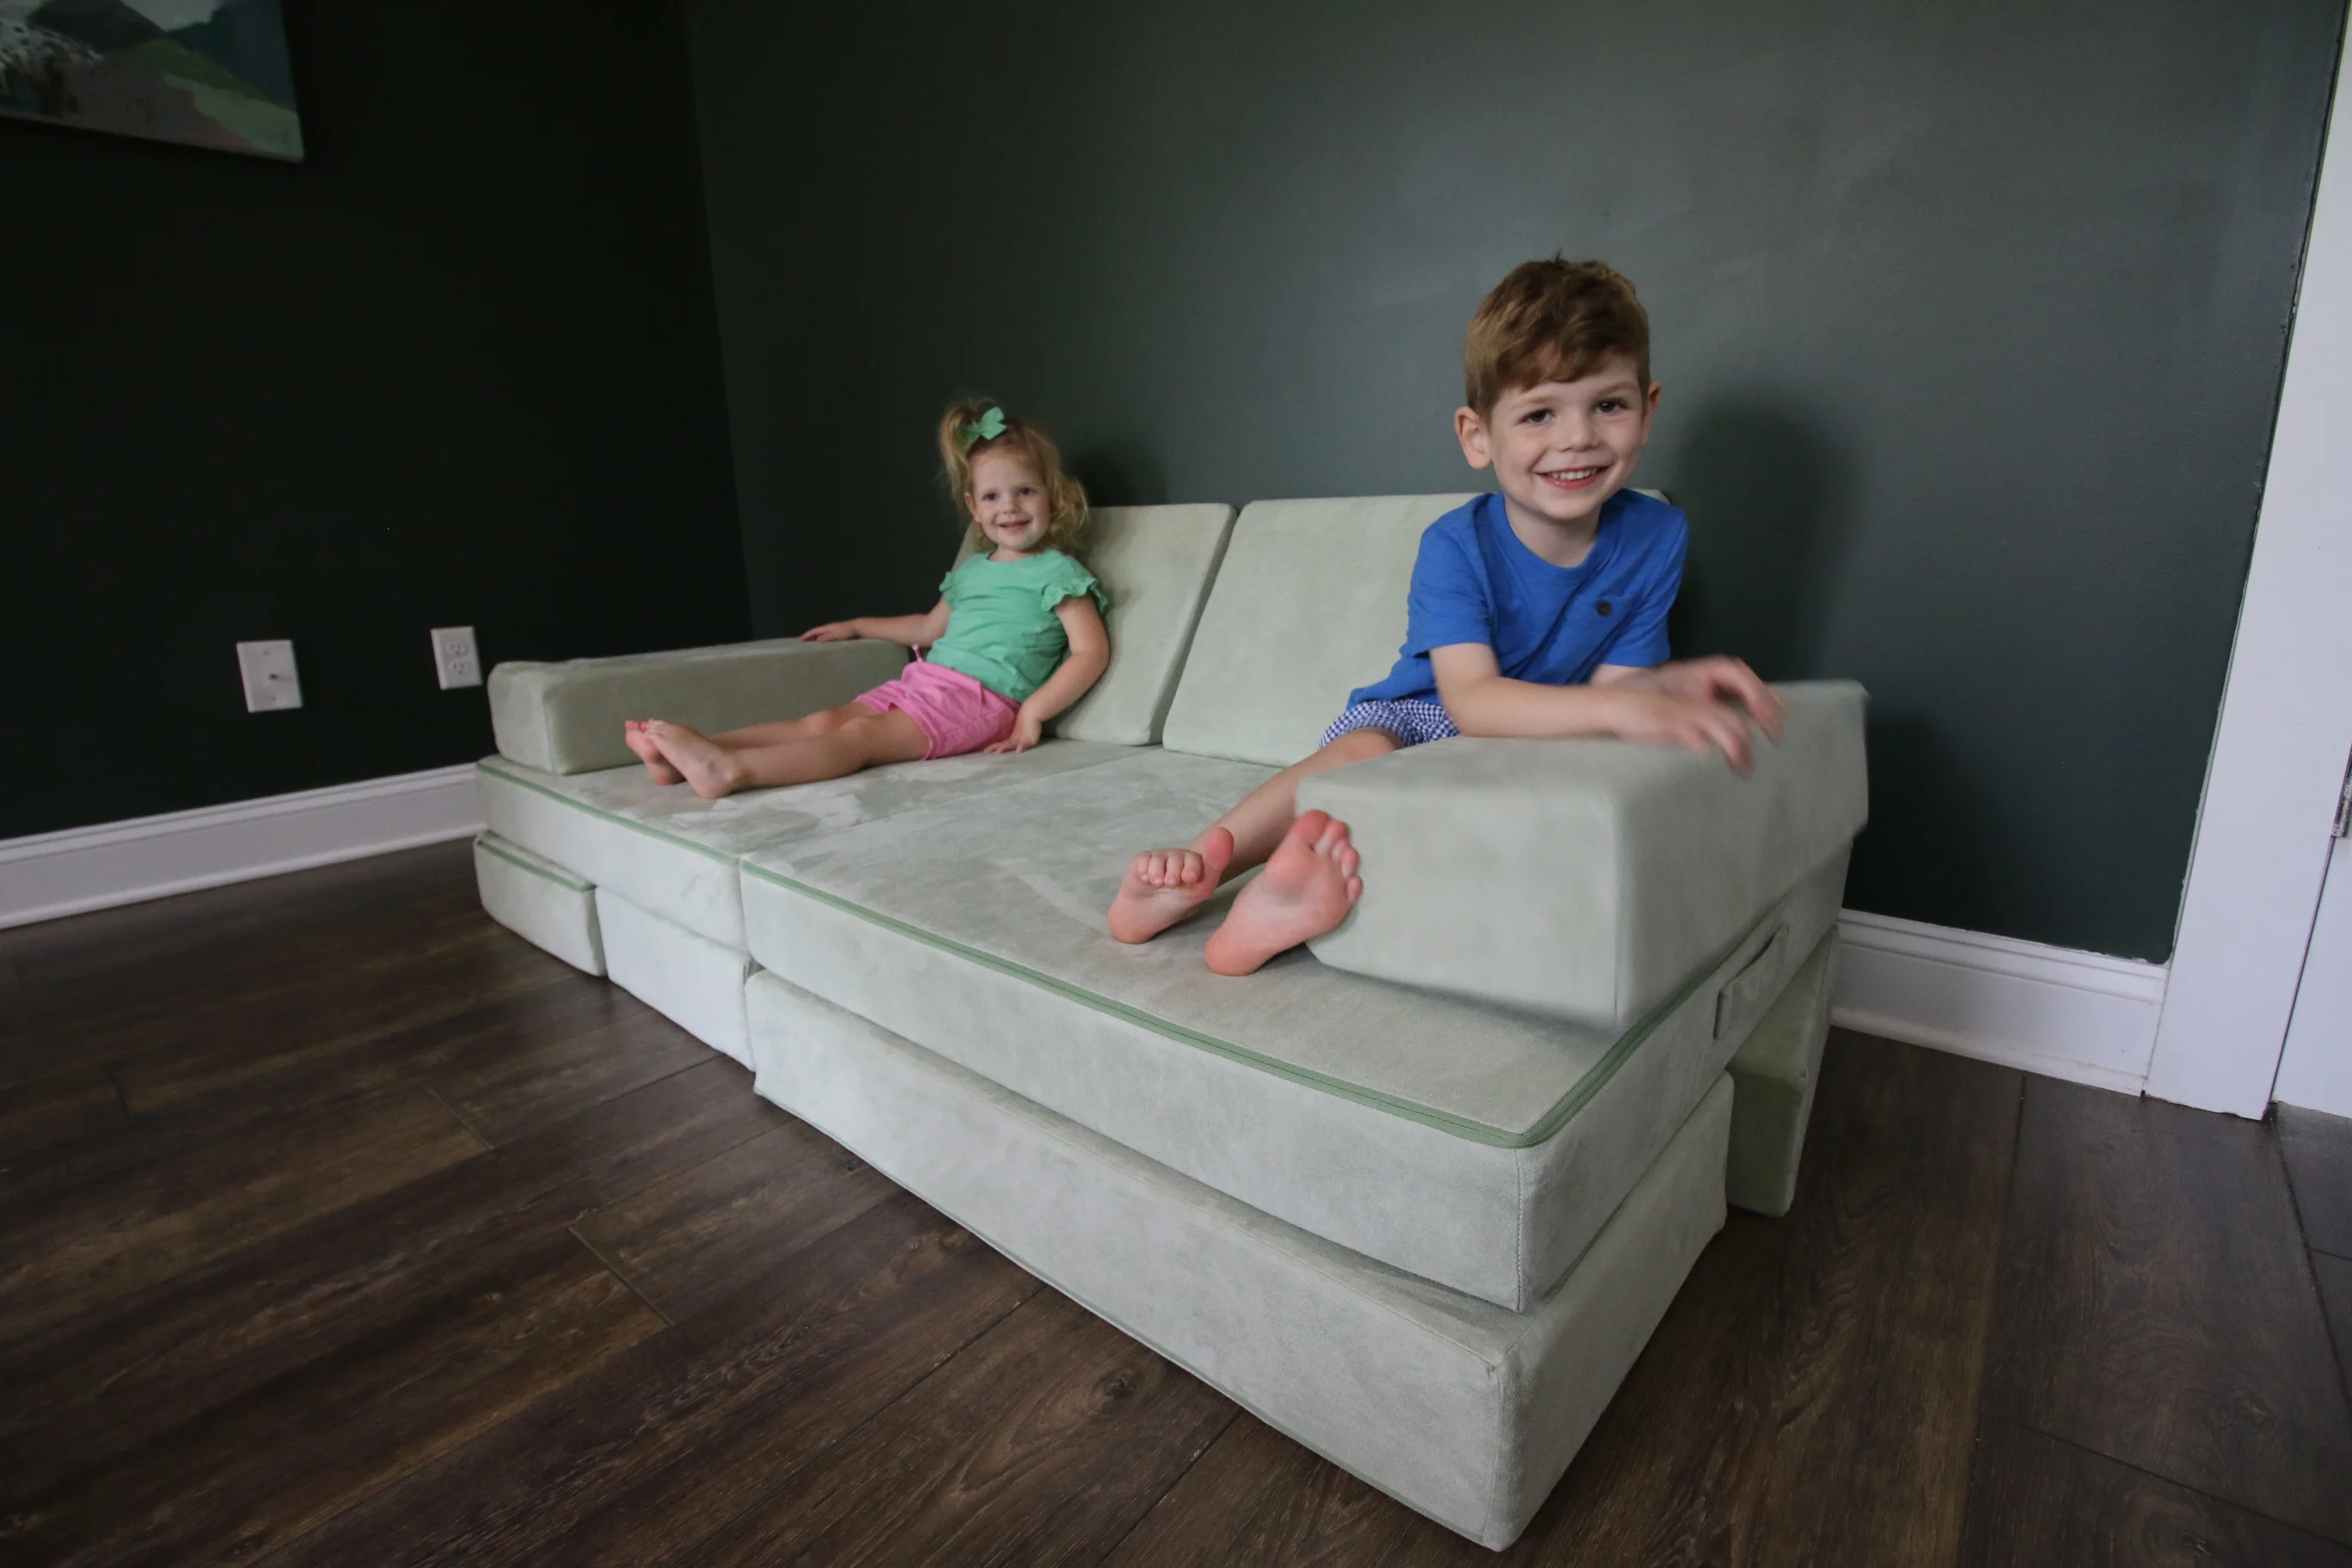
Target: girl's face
{"x": 1008, "y": 500}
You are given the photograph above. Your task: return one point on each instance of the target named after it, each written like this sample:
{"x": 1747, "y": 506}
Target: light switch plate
{"x": 455, "y": 658}
{"x": 270, "y": 682}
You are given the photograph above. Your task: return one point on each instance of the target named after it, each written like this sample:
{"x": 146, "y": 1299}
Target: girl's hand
{"x": 831, "y": 631}
{"x": 1028, "y": 731}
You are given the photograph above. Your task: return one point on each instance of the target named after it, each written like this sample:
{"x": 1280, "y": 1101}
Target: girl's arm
{"x": 908, "y": 631}
{"x": 1088, "y": 656}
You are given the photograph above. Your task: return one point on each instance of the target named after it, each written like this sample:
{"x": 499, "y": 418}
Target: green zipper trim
{"x": 577, "y": 805}
{"x": 483, "y": 841}
{"x": 1594, "y": 1081}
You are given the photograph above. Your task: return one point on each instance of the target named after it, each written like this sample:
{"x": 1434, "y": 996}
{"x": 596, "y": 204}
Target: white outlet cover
{"x": 454, "y": 657}
{"x": 271, "y": 681}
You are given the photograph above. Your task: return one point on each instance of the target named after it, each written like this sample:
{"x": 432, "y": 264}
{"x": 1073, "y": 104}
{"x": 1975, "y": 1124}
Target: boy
{"x": 1539, "y": 611}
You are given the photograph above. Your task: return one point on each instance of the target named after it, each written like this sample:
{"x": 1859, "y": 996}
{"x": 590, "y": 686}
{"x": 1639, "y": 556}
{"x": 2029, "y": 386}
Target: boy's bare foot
{"x": 1163, "y": 886}
{"x": 1305, "y": 890}
{"x": 634, "y": 732}
{"x": 708, "y": 766}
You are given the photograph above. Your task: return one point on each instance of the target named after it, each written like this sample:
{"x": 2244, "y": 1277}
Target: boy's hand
{"x": 1028, "y": 731}
{"x": 1721, "y": 680}
{"x": 1656, "y": 718}
{"x": 831, "y": 631}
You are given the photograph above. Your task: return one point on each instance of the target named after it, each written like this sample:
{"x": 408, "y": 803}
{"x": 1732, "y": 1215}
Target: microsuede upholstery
{"x": 1309, "y": 604}
{"x": 673, "y": 853}
{"x": 1775, "y": 1074}
{"x": 566, "y": 718}
{"x": 691, "y": 980}
{"x": 539, "y": 901}
{"x": 1455, "y": 1406}
{"x": 1156, "y": 562}
{"x": 1585, "y": 877}
{"x": 1473, "y": 1145}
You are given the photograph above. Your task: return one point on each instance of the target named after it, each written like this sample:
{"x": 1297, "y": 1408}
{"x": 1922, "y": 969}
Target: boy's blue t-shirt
{"x": 1474, "y": 582}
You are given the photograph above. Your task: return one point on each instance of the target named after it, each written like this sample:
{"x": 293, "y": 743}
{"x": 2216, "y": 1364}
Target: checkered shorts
{"x": 1413, "y": 722}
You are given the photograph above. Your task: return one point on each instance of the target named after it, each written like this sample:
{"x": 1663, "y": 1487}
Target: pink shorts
{"x": 957, "y": 713}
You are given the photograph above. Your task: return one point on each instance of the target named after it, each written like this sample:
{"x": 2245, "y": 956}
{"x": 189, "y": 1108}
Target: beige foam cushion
{"x": 1309, "y": 604}
{"x": 1471, "y": 1145}
{"x": 673, "y": 854}
{"x": 1156, "y": 562}
{"x": 1584, "y": 878}
{"x": 1459, "y": 1408}
{"x": 540, "y": 901}
{"x": 1774, "y": 1075}
{"x": 695, "y": 982}
{"x": 566, "y": 718}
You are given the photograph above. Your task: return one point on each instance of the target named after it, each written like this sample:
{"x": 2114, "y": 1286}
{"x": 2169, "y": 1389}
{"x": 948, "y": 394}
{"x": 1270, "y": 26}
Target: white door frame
{"x": 2315, "y": 1068}
{"x": 2264, "y": 831}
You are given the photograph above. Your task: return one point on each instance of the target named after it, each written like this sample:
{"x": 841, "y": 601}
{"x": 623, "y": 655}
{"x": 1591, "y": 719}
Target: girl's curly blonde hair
{"x": 977, "y": 425}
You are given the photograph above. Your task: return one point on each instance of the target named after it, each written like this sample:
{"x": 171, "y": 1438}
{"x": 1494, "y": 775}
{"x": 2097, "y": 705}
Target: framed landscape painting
{"x": 212, "y": 73}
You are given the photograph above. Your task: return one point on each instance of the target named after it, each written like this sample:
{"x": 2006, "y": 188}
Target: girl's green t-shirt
{"x": 1002, "y": 629}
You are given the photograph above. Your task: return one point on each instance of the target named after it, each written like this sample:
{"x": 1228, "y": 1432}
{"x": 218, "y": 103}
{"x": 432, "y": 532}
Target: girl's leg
{"x": 807, "y": 727}
{"x": 802, "y": 728}
{"x": 634, "y": 732}
{"x": 1163, "y": 886}
{"x": 714, "y": 769}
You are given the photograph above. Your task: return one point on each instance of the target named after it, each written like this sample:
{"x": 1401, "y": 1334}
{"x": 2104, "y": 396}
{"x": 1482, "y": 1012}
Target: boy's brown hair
{"x": 1552, "y": 320}
{"x": 972, "y": 426}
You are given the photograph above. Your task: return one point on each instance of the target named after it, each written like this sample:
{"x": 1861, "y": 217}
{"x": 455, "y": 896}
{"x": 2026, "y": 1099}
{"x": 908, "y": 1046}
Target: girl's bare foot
{"x": 1305, "y": 890}
{"x": 709, "y": 767}
{"x": 634, "y": 731}
{"x": 1163, "y": 886}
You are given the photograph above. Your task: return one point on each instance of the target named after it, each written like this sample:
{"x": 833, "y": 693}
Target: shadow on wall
{"x": 1769, "y": 495}
{"x": 1122, "y": 471}
{"x": 1926, "y": 844}
{"x": 1770, "y": 498}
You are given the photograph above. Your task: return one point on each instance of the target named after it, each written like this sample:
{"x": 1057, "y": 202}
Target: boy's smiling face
{"x": 1560, "y": 449}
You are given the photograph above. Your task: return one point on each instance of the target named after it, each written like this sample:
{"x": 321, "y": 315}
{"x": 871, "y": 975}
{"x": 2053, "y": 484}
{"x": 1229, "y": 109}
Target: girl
{"x": 1017, "y": 636}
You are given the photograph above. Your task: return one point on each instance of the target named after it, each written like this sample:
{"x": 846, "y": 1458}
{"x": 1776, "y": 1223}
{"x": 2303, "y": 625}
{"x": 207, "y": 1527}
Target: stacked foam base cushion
{"x": 1424, "y": 1233}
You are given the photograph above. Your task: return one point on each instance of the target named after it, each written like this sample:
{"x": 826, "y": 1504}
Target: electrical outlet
{"x": 454, "y": 657}
{"x": 270, "y": 682}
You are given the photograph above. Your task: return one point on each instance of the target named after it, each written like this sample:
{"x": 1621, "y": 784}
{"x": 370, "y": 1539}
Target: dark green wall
{"x": 1969, "y": 317}
{"x": 458, "y": 367}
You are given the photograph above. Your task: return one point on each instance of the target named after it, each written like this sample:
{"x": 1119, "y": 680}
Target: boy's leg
{"x": 715, "y": 770}
{"x": 1163, "y": 886}
{"x": 1306, "y": 888}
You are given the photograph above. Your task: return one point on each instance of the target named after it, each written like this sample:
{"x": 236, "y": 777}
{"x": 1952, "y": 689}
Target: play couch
{"x": 1416, "y": 1197}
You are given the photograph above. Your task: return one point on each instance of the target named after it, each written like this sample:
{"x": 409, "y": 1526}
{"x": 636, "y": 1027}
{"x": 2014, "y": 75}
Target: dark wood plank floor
{"x": 340, "y": 1227}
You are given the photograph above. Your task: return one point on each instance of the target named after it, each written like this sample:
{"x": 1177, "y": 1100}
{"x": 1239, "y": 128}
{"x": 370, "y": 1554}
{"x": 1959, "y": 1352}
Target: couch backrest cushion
{"x": 1309, "y": 604}
{"x": 566, "y": 718}
{"x": 1157, "y": 563}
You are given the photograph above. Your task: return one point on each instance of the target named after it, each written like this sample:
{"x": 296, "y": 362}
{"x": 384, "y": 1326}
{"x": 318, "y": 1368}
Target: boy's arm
{"x": 1482, "y": 701}
{"x": 1716, "y": 679}
{"x": 907, "y": 631}
{"x": 1088, "y": 656}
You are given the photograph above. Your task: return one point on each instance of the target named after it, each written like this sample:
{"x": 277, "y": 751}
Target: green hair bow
{"x": 987, "y": 427}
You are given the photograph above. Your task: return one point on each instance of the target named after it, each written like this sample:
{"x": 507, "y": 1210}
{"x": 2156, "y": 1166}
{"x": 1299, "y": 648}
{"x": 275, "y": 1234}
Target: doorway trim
{"x": 2264, "y": 831}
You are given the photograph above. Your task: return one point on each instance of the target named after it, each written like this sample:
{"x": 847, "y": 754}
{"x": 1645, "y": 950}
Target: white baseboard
{"x": 2076, "y": 1016}
{"x": 47, "y": 875}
